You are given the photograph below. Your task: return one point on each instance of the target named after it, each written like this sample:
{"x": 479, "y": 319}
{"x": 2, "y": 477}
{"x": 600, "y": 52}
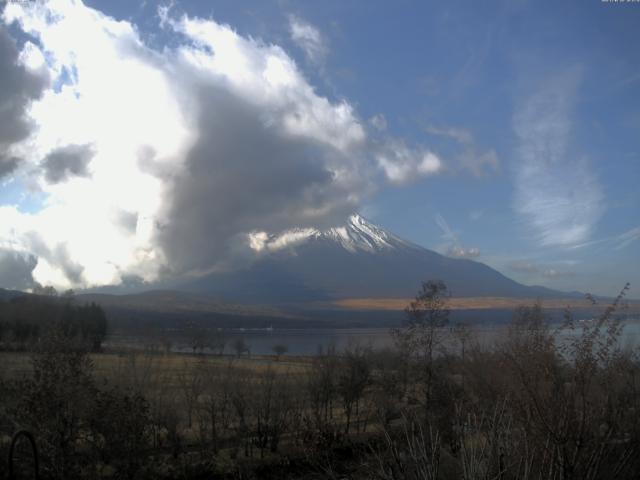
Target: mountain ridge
{"x": 356, "y": 260}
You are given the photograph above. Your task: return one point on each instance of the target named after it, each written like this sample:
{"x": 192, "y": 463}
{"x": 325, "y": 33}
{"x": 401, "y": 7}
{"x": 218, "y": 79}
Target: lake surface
{"x": 313, "y": 340}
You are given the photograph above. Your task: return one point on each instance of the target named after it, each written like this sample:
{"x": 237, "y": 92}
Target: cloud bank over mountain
{"x": 160, "y": 161}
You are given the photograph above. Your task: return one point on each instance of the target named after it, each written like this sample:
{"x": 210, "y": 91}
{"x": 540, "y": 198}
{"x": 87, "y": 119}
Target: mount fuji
{"x": 357, "y": 260}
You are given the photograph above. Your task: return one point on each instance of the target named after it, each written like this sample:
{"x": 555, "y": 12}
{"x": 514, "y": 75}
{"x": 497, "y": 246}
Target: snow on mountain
{"x": 358, "y": 259}
{"x": 357, "y": 235}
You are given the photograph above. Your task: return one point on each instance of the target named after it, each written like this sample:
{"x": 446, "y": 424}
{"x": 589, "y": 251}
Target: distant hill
{"x": 176, "y": 302}
{"x": 6, "y": 295}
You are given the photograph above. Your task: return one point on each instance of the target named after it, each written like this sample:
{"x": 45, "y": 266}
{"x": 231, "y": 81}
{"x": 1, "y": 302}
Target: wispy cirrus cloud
{"x": 309, "y": 39}
{"x": 454, "y": 248}
{"x": 469, "y": 155}
{"x": 615, "y": 242}
{"x": 556, "y": 192}
{"x": 627, "y": 238}
{"x": 379, "y": 122}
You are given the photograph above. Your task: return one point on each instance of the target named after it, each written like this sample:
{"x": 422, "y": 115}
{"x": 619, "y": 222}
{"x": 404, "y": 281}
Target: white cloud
{"x": 262, "y": 241}
{"x": 556, "y": 191}
{"x": 402, "y": 164}
{"x": 309, "y": 39}
{"x": 191, "y": 147}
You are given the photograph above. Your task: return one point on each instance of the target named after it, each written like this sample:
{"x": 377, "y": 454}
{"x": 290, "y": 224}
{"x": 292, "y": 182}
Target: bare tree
{"x": 120, "y": 426}
{"x": 462, "y": 334}
{"x": 57, "y": 400}
{"x": 272, "y": 409}
{"x": 568, "y": 398}
{"x": 422, "y": 335}
{"x": 190, "y": 382}
{"x": 322, "y": 386}
{"x": 215, "y": 402}
{"x": 354, "y": 376}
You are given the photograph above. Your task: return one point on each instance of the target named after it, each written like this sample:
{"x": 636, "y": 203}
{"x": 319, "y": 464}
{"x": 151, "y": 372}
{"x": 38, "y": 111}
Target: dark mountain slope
{"x": 358, "y": 260}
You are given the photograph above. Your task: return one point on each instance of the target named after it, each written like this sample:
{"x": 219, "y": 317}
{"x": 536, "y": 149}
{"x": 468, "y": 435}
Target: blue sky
{"x": 507, "y": 132}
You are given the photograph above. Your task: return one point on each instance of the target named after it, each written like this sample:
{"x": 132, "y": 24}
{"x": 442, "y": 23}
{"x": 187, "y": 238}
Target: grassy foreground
{"x": 438, "y": 405}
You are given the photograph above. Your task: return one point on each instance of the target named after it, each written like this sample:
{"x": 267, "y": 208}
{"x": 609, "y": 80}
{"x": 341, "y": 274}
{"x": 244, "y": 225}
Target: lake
{"x": 310, "y": 341}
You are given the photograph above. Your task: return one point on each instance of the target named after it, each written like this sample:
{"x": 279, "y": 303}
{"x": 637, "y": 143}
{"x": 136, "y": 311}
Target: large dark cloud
{"x": 16, "y": 270}
{"x": 244, "y": 173}
{"x": 67, "y": 161}
{"x": 18, "y": 87}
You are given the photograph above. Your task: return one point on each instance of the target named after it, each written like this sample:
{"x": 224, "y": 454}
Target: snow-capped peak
{"x": 357, "y": 235}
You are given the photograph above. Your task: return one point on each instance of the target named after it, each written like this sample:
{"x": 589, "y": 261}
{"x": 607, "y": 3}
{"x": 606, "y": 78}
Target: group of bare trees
{"x": 546, "y": 402}
{"x": 79, "y": 426}
{"x": 543, "y": 402}
{"x": 575, "y": 402}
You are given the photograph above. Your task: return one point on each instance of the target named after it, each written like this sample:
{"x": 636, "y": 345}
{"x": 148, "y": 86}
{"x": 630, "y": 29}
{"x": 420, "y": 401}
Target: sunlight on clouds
{"x": 232, "y": 57}
{"x": 278, "y": 73}
{"x": 116, "y": 103}
{"x": 174, "y": 135}
{"x": 246, "y": 63}
{"x": 32, "y": 58}
{"x": 47, "y": 274}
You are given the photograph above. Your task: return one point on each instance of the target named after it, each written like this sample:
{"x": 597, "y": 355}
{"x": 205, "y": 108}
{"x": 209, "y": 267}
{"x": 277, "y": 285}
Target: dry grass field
{"x": 119, "y": 365}
{"x": 476, "y": 303}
